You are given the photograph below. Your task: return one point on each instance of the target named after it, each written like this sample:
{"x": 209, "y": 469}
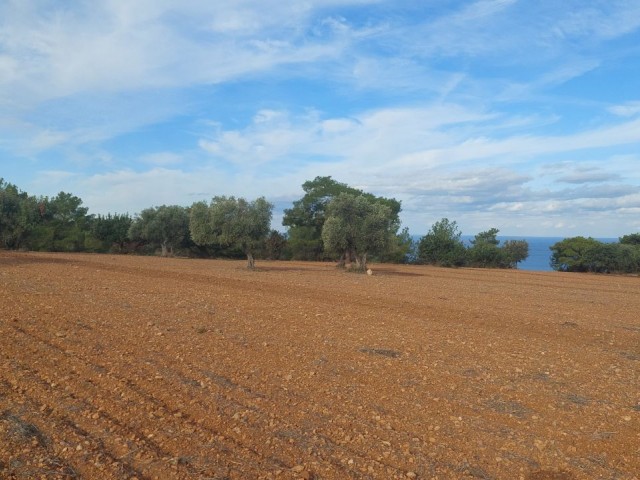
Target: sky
{"x": 515, "y": 114}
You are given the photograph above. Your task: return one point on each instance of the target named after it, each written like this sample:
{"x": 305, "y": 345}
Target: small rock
{"x": 369, "y": 272}
{"x": 411, "y": 475}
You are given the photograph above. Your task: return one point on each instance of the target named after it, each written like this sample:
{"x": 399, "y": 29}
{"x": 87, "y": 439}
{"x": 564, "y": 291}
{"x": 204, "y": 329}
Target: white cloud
{"x": 375, "y": 138}
{"x": 120, "y": 46}
{"x": 628, "y": 109}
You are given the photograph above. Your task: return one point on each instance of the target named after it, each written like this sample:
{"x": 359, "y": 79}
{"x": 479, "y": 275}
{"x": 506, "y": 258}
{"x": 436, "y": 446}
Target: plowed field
{"x": 121, "y": 367}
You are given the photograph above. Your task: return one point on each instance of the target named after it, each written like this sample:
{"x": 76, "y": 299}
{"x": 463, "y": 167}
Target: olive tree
{"x": 230, "y": 221}
{"x": 166, "y": 226}
{"x": 306, "y": 218}
{"x": 356, "y": 226}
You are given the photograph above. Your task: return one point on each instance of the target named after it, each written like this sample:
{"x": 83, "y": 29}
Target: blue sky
{"x": 519, "y": 115}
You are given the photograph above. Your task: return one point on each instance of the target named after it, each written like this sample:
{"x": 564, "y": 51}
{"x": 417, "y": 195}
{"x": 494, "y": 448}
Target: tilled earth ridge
{"x": 122, "y": 367}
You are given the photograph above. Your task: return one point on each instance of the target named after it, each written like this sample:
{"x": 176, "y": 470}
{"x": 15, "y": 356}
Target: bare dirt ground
{"x": 121, "y": 367}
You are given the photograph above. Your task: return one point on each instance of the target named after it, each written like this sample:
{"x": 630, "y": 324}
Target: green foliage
{"x": 489, "y": 237}
{"x": 515, "y": 251}
{"x": 61, "y": 224}
{"x": 573, "y": 254}
{"x": 164, "y": 226}
{"x": 228, "y": 221}
{"x": 485, "y": 251}
{"x": 9, "y": 212}
{"x": 579, "y": 254}
{"x": 442, "y": 245}
{"x": 307, "y": 216}
{"x": 402, "y": 249}
{"x": 304, "y": 243}
{"x": 110, "y": 232}
{"x": 19, "y": 214}
{"x": 357, "y": 226}
{"x": 631, "y": 239}
{"x": 627, "y": 258}
{"x": 65, "y": 209}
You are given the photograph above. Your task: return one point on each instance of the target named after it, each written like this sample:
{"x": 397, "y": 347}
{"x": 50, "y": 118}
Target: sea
{"x": 539, "y": 253}
{"x": 539, "y": 258}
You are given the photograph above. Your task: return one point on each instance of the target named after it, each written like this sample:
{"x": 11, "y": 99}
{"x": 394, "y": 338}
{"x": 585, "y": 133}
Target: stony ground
{"x": 121, "y": 367}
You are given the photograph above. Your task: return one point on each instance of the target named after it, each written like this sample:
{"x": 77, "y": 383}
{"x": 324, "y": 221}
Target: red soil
{"x": 133, "y": 367}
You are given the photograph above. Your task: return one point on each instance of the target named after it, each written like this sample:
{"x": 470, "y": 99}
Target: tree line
{"x": 580, "y": 254}
{"x": 332, "y": 221}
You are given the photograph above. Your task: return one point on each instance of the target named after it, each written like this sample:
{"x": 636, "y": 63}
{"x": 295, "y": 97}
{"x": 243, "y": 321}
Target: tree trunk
{"x": 164, "y": 249}
{"x": 251, "y": 263}
{"x": 361, "y": 263}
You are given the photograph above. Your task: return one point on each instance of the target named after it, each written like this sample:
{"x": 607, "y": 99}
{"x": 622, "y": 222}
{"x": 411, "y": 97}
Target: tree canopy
{"x": 307, "y": 216}
{"x": 484, "y": 250}
{"x": 580, "y": 254}
{"x": 356, "y": 226}
{"x": 18, "y": 215}
{"x": 166, "y": 226}
{"x": 571, "y": 254}
{"x": 515, "y": 252}
{"x": 442, "y": 245}
{"x": 631, "y": 239}
{"x": 230, "y": 221}
{"x": 111, "y": 231}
